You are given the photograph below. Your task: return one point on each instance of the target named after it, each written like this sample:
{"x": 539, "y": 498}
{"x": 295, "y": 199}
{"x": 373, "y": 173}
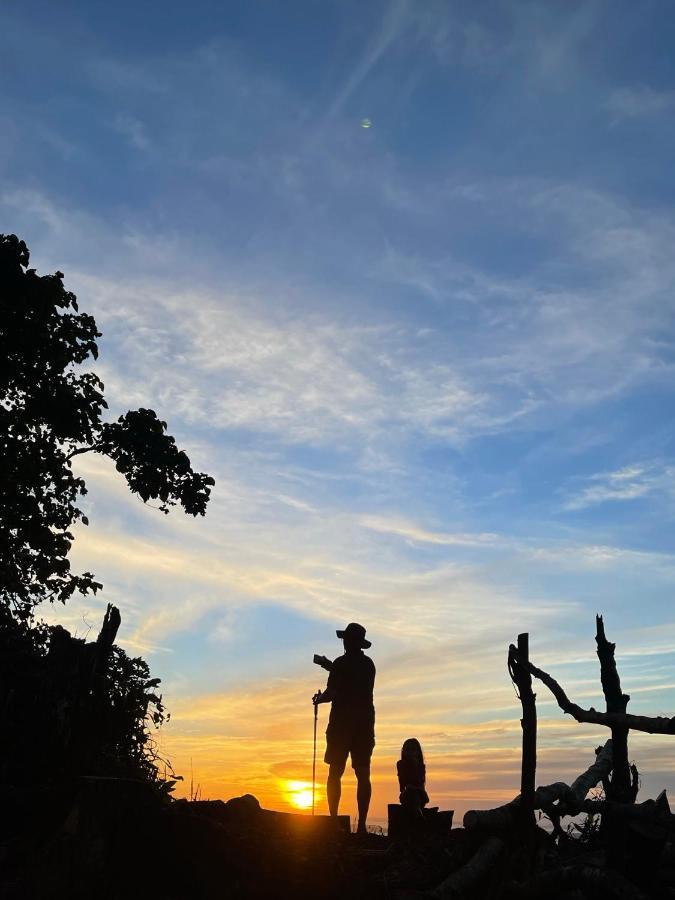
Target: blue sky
{"x": 429, "y": 362}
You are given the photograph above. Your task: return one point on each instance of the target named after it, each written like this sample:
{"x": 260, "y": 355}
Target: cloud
{"x": 495, "y": 352}
{"x": 134, "y": 130}
{"x": 395, "y": 19}
{"x": 410, "y": 531}
{"x": 629, "y": 483}
{"x": 638, "y": 102}
{"x": 312, "y": 381}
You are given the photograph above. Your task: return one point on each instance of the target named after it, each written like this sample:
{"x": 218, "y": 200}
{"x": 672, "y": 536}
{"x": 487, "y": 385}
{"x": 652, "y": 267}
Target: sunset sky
{"x": 400, "y": 276}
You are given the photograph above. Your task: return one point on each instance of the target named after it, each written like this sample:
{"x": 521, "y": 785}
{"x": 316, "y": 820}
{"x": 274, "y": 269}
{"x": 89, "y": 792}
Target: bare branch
{"x": 556, "y": 800}
{"x": 648, "y": 724}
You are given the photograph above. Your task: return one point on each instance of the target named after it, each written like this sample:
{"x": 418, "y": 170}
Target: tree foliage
{"x": 50, "y": 411}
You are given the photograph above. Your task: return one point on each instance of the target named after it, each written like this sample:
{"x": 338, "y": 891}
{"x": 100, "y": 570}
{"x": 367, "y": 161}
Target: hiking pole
{"x": 316, "y": 716}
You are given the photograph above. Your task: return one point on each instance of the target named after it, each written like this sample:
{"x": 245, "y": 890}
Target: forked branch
{"x": 648, "y": 724}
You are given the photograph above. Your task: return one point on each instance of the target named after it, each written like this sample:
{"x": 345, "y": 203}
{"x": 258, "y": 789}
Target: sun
{"x": 299, "y": 794}
{"x": 302, "y": 799}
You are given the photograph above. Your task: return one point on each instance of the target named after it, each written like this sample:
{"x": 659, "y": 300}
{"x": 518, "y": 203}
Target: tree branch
{"x": 648, "y": 724}
{"x": 79, "y": 450}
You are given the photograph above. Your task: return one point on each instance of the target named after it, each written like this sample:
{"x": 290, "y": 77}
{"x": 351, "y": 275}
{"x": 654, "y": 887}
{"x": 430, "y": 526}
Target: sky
{"x": 399, "y": 275}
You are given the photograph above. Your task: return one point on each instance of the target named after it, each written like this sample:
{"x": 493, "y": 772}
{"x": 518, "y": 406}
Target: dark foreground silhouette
{"x": 114, "y": 837}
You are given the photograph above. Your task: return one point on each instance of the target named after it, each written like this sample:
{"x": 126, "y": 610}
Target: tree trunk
{"x": 615, "y": 827}
{"x": 519, "y": 669}
{"x": 620, "y": 786}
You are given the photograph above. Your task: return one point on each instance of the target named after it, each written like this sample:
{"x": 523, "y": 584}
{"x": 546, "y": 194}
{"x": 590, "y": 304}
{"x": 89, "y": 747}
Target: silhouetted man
{"x": 351, "y": 726}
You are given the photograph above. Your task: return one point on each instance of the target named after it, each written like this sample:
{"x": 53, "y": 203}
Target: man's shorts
{"x": 343, "y": 741}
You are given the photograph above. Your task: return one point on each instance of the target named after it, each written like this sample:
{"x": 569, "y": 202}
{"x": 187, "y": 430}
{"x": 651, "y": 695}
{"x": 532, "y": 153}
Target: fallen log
{"x": 476, "y": 872}
{"x": 570, "y": 798}
{"x": 656, "y": 811}
{"x": 573, "y": 796}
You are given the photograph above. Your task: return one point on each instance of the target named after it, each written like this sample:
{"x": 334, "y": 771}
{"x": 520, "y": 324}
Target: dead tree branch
{"x": 569, "y": 798}
{"x": 648, "y": 724}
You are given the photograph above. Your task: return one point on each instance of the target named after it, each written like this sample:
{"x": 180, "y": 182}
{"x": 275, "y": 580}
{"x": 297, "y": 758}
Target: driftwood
{"x": 619, "y": 786}
{"x": 648, "y": 724}
{"x": 570, "y": 798}
{"x": 654, "y": 811}
{"x": 519, "y": 670}
{"x": 476, "y": 872}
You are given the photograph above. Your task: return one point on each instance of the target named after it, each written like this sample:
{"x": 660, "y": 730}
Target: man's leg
{"x": 363, "y": 792}
{"x": 334, "y": 786}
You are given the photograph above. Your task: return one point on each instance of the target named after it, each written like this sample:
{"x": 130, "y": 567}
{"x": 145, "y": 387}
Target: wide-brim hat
{"x": 355, "y": 631}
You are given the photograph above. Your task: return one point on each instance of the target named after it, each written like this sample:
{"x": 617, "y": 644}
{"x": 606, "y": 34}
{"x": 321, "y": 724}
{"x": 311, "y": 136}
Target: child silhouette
{"x": 412, "y": 777}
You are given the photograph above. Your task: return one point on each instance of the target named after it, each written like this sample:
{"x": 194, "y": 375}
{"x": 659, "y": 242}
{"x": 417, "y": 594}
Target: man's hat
{"x": 354, "y": 630}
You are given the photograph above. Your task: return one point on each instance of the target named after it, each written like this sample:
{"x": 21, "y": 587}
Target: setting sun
{"x": 299, "y": 794}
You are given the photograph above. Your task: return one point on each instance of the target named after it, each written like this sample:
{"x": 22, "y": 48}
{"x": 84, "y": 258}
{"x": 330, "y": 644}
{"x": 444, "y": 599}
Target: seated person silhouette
{"x": 351, "y": 725}
{"x": 412, "y": 777}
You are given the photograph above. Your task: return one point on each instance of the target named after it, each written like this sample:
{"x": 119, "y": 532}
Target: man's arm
{"x": 332, "y": 690}
{"x": 326, "y": 696}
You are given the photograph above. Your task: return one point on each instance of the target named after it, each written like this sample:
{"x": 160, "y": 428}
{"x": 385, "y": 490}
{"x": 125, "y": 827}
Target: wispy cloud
{"x": 638, "y": 102}
{"x": 629, "y": 483}
{"x": 320, "y": 378}
{"x": 134, "y": 130}
{"x": 410, "y": 531}
{"x": 396, "y": 17}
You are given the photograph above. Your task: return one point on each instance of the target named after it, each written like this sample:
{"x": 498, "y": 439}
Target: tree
{"x": 51, "y": 411}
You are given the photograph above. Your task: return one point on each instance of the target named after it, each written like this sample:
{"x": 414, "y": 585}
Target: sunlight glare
{"x": 299, "y": 794}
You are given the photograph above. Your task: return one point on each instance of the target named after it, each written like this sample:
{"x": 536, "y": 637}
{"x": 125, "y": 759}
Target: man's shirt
{"x": 351, "y": 680}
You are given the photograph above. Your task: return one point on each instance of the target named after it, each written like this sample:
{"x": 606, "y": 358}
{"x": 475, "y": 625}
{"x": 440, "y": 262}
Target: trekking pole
{"x": 316, "y": 716}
